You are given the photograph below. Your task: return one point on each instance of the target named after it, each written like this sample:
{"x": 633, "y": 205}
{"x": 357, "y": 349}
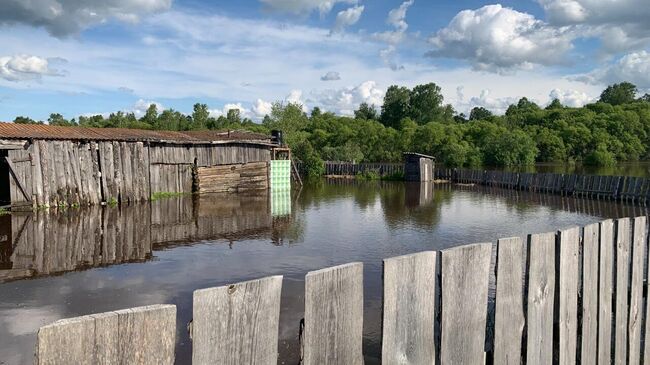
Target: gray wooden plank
{"x": 465, "y": 276}
{"x": 541, "y": 294}
{"x": 237, "y": 324}
{"x": 589, "y": 309}
{"x": 622, "y": 280}
{"x": 334, "y": 316}
{"x": 144, "y": 335}
{"x": 509, "y": 318}
{"x": 568, "y": 280}
{"x": 605, "y": 292}
{"x": 636, "y": 290}
{"x": 409, "y": 309}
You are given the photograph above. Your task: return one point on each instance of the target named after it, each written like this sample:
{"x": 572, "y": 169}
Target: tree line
{"x": 615, "y": 128}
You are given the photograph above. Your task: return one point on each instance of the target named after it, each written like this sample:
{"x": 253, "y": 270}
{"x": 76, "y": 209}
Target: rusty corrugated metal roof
{"x": 44, "y": 131}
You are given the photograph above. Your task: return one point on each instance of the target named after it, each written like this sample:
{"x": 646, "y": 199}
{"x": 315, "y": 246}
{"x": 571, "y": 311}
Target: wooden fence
{"x": 625, "y": 188}
{"x": 567, "y": 297}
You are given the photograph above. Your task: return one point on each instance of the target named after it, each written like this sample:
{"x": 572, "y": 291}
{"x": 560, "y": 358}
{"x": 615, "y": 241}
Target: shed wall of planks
{"x": 70, "y": 173}
{"x": 538, "y": 314}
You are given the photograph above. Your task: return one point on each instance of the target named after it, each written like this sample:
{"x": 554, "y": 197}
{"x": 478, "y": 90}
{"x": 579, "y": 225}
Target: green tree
{"x": 618, "y": 94}
{"x": 396, "y": 106}
{"x": 425, "y": 104}
{"x": 151, "y": 116}
{"x": 480, "y": 113}
{"x": 234, "y": 116}
{"x": 25, "y": 120}
{"x": 200, "y": 115}
{"x": 58, "y": 120}
{"x": 366, "y": 112}
{"x": 555, "y": 104}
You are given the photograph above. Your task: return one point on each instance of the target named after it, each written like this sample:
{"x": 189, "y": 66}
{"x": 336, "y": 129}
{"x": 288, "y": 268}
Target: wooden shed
{"x": 418, "y": 167}
{"x": 43, "y": 165}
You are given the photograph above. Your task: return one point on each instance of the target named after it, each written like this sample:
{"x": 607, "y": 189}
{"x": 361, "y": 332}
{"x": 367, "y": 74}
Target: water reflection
{"x": 175, "y": 246}
{"x": 47, "y": 243}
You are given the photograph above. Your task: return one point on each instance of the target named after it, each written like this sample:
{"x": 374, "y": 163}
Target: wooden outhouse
{"x": 418, "y": 167}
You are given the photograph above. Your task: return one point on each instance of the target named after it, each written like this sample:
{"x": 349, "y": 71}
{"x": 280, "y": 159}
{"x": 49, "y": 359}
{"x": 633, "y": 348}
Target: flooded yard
{"x": 82, "y": 261}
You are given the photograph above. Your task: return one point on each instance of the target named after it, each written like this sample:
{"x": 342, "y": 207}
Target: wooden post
{"x": 144, "y": 335}
{"x": 589, "y": 309}
{"x": 509, "y": 316}
{"x": 409, "y": 309}
{"x": 605, "y": 292}
{"x": 568, "y": 280}
{"x": 639, "y": 241}
{"x": 541, "y": 294}
{"x": 622, "y": 279}
{"x": 465, "y": 276}
{"x": 334, "y": 316}
{"x": 237, "y": 324}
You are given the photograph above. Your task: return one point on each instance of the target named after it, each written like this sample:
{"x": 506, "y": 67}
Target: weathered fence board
{"x": 589, "y": 308}
{"x": 568, "y": 279}
{"x": 334, "y": 316}
{"x": 636, "y": 290}
{"x": 541, "y": 294}
{"x": 409, "y": 309}
{"x": 622, "y": 278}
{"x": 465, "y": 276}
{"x": 144, "y": 335}
{"x": 509, "y": 319}
{"x": 237, "y": 324}
{"x": 605, "y": 292}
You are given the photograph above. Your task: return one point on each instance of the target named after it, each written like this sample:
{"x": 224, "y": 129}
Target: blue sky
{"x": 99, "y": 56}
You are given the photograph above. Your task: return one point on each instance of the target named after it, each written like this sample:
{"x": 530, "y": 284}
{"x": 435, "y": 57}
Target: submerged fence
{"x": 626, "y": 188}
{"x": 573, "y": 296}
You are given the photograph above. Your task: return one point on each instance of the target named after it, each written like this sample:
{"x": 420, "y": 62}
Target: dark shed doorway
{"x": 5, "y": 197}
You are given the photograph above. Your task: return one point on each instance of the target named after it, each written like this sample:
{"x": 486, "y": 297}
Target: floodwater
{"x": 77, "y": 262}
{"x": 636, "y": 168}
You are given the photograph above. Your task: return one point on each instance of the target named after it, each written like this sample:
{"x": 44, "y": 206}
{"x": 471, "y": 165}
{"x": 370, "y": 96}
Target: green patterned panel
{"x": 281, "y": 175}
{"x": 280, "y": 202}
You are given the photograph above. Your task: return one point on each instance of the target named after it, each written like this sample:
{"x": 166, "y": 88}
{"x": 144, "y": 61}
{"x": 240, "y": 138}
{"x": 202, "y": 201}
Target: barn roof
{"x": 44, "y": 131}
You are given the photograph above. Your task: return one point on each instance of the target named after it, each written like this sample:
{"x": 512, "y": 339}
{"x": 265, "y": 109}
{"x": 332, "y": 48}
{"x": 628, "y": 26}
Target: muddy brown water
{"x": 56, "y": 265}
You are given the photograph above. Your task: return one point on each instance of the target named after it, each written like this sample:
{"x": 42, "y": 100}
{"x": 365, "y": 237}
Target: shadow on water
{"x": 80, "y": 261}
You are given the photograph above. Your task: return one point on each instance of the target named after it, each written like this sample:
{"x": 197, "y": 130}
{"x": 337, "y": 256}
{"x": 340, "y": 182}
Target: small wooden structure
{"x": 418, "y": 167}
{"x": 43, "y": 165}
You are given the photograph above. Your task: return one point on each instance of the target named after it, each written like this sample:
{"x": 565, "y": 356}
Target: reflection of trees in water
{"x": 416, "y": 204}
{"x": 402, "y": 203}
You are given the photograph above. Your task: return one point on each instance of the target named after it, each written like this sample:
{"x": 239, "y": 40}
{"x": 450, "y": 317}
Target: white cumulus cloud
{"x": 65, "y": 17}
{"x": 346, "y": 100}
{"x": 261, "y": 108}
{"x": 347, "y": 18}
{"x": 24, "y": 67}
{"x": 572, "y": 98}
{"x": 633, "y": 67}
{"x": 140, "y": 107}
{"x": 499, "y": 39}
{"x": 304, "y": 6}
{"x": 485, "y": 100}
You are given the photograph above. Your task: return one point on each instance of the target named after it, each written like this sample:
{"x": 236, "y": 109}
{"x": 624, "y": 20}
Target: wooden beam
{"x": 9, "y": 144}
{"x": 18, "y": 182}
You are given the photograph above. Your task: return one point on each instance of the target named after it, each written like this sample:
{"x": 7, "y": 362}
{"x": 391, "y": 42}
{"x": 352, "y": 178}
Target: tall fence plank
{"x": 144, "y": 335}
{"x": 589, "y": 308}
{"x": 334, "y": 316}
{"x": 541, "y": 294}
{"x": 237, "y": 324}
{"x": 636, "y": 290}
{"x": 605, "y": 292}
{"x": 509, "y": 317}
{"x": 622, "y": 279}
{"x": 409, "y": 309}
{"x": 568, "y": 280}
{"x": 465, "y": 276}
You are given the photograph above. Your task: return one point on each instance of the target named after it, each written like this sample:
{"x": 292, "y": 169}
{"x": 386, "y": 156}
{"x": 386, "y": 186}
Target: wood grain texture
{"x": 589, "y": 308}
{"x": 509, "y": 319}
{"x": 409, "y": 309}
{"x": 144, "y": 335}
{"x": 639, "y": 240}
{"x": 465, "y": 276}
{"x": 541, "y": 294}
{"x": 605, "y": 292}
{"x": 334, "y": 316}
{"x": 237, "y": 324}
{"x": 623, "y": 248}
{"x": 568, "y": 280}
